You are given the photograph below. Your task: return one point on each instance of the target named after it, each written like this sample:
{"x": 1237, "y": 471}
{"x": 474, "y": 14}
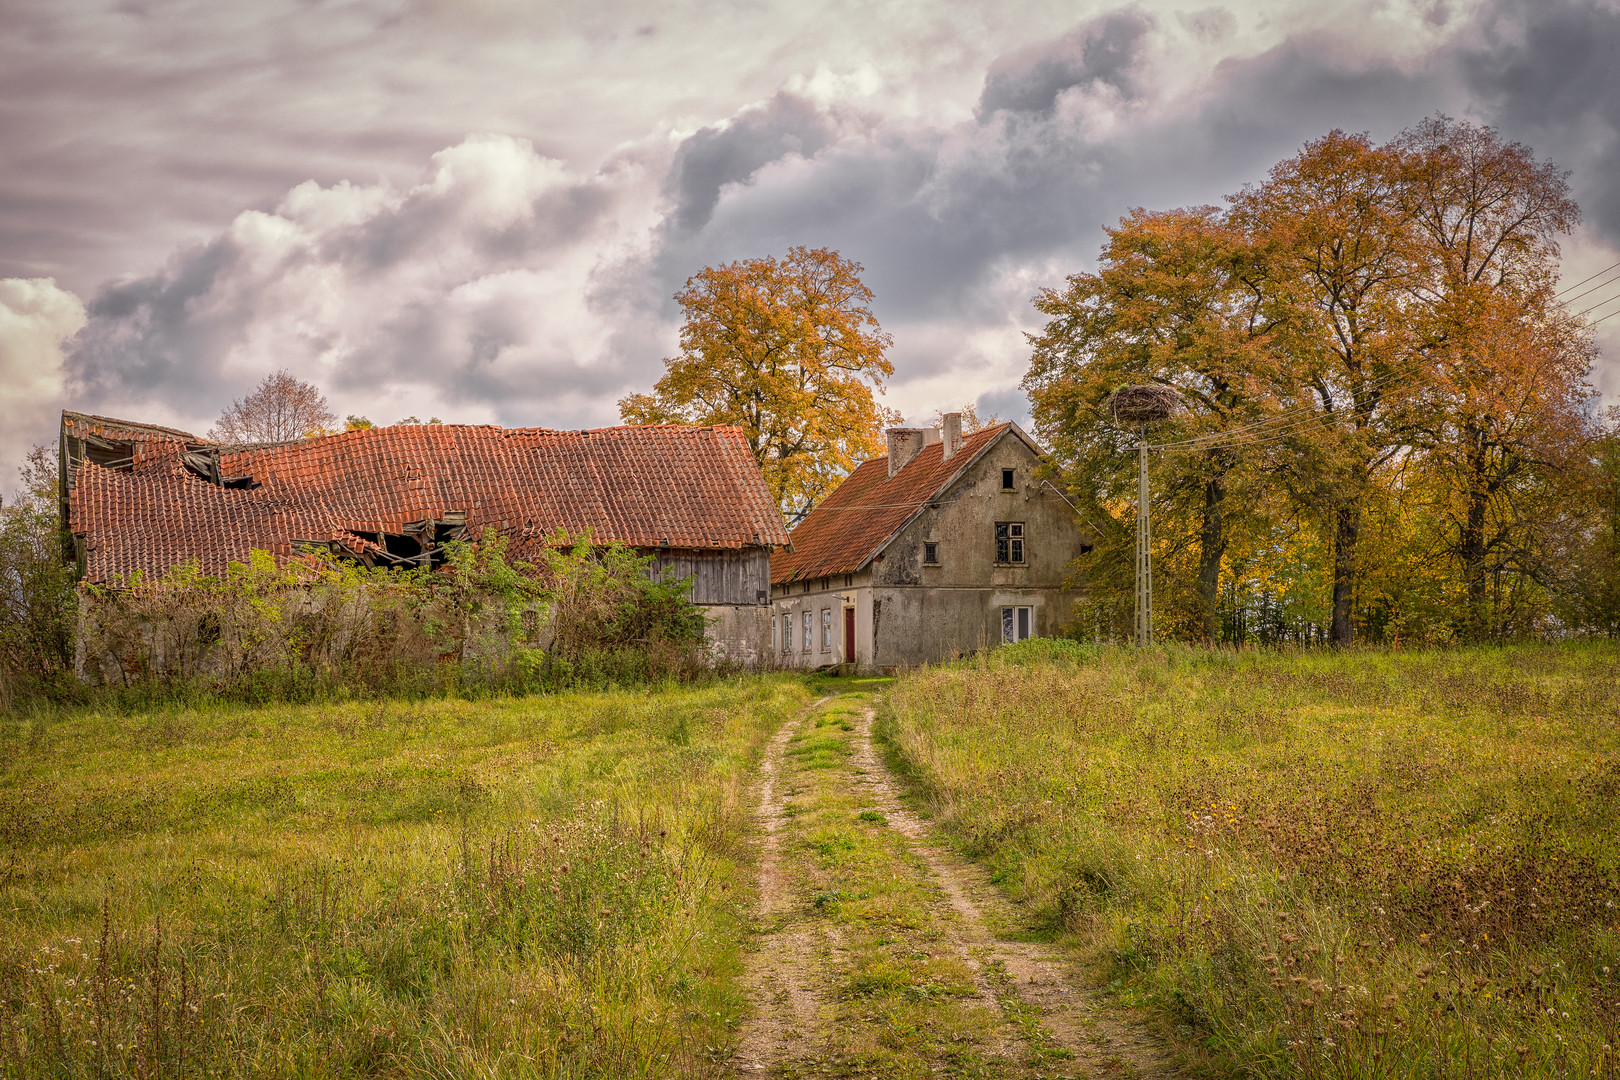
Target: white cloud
{"x": 36, "y": 317}
{"x": 469, "y": 294}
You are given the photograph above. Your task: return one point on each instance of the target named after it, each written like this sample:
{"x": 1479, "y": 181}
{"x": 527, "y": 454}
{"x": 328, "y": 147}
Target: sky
{"x": 481, "y": 209}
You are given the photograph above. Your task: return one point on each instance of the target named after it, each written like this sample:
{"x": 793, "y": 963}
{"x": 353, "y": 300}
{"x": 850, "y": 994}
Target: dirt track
{"x": 1014, "y": 1009}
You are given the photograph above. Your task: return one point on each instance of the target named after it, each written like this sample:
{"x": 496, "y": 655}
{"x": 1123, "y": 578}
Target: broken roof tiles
{"x": 656, "y": 486}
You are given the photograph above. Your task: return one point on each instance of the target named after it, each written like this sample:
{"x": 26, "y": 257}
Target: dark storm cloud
{"x": 1550, "y": 76}
{"x": 150, "y": 334}
{"x": 932, "y": 214}
{"x": 1102, "y": 50}
{"x": 733, "y": 152}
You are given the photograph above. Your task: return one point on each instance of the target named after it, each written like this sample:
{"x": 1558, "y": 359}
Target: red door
{"x": 849, "y": 635}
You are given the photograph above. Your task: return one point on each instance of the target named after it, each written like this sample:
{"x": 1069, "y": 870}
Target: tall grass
{"x": 1307, "y": 864}
{"x": 520, "y": 887}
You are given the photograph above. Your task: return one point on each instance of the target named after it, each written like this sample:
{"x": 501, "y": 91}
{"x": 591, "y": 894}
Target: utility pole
{"x": 1144, "y": 548}
{"x": 1142, "y": 405}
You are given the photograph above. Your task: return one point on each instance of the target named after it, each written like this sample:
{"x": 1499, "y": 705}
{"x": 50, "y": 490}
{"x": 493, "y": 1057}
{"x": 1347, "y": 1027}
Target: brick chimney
{"x": 905, "y": 443}
{"x": 952, "y": 423}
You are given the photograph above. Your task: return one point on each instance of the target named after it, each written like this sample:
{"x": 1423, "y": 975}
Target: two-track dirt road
{"x": 883, "y": 954}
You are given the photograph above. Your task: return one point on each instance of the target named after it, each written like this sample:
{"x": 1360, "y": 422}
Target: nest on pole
{"x": 1143, "y": 404}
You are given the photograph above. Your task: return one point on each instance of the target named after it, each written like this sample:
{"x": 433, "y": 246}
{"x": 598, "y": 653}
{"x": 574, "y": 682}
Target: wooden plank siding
{"x": 727, "y": 576}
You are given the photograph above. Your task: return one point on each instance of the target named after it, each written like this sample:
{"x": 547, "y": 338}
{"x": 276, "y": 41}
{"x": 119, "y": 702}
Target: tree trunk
{"x": 1347, "y": 527}
{"x": 1212, "y": 548}
{"x": 1471, "y": 553}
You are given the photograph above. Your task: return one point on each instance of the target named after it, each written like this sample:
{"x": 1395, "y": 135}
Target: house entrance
{"x": 849, "y": 635}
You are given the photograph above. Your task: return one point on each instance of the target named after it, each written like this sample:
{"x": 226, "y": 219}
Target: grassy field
{"x": 530, "y": 887}
{"x": 1316, "y": 864}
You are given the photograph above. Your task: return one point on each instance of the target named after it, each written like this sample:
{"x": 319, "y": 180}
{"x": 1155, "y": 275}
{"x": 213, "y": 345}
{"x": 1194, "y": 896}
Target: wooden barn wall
{"x": 720, "y": 577}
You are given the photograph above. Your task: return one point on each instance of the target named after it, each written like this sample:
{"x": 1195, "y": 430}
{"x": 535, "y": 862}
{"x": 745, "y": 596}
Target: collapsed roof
{"x": 138, "y": 497}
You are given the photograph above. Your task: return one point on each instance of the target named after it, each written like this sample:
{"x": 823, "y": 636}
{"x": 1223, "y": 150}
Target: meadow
{"x": 542, "y": 886}
{"x": 1310, "y": 864}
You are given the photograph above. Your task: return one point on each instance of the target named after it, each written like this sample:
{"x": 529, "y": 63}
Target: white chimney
{"x": 952, "y": 424}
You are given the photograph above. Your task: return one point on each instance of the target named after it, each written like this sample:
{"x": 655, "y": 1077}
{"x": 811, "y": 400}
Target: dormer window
{"x": 1006, "y": 479}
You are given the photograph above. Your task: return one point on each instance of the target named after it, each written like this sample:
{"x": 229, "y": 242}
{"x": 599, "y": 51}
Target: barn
{"x": 140, "y": 497}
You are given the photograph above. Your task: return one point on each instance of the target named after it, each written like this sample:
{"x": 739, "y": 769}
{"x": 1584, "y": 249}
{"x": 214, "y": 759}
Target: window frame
{"x": 1011, "y": 618}
{"x": 826, "y": 629}
{"x": 1011, "y": 543}
{"x": 809, "y": 633}
{"x": 1009, "y": 479}
{"x": 930, "y": 555}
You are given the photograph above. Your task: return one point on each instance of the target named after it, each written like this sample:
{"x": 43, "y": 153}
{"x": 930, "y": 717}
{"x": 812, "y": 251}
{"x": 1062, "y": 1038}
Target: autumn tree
{"x": 1503, "y": 419}
{"x": 1371, "y": 346}
{"x": 280, "y": 408}
{"x": 1337, "y": 228}
{"x": 1178, "y": 299}
{"x": 788, "y": 350}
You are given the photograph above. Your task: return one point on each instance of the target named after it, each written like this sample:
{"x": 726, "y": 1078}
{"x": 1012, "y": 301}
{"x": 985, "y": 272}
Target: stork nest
{"x": 1143, "y": 404}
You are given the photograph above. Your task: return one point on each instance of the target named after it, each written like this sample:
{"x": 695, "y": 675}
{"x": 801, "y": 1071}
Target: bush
{"x": 316, "y": 627}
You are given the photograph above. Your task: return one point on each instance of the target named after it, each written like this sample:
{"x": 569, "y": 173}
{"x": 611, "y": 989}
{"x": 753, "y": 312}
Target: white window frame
{"x": 826, "y": 629}
{"x": 809, "y": 632}
{"x": 1014, "y": 620}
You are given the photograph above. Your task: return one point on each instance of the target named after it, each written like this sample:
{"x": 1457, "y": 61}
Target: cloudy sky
{"x": 479, "y": 209}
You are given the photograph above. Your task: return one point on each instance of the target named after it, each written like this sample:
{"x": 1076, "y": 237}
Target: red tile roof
{"x": 855, "y": 522}
{"x": 655, "y": 486}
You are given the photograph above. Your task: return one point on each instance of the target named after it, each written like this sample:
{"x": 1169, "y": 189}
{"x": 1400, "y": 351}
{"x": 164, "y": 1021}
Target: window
{"x": 826, "y": 629}
{"x": 1016, "y": 624}
{"x": 1006, "y": 479}
{"x": 1010, "y": 542}
{"x": 930, "y": 553}
{"x": 787, "y": 633}
{"x": 807, "y": 640}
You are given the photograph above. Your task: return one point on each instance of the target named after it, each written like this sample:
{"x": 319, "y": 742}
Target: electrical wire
{"x": 1593, "y": 289}
{"x": 1297, "y": 416}
{"x": 1584, "y": 280}
{"x": 1600, "y": 303}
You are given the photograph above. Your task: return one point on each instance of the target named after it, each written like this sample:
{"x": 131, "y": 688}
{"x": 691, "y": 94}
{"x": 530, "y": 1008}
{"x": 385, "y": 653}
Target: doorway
{"x": 849, "y": 635}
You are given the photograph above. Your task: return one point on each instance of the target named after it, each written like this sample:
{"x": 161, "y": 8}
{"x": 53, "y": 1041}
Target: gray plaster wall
{"x": 740, "y": 633}
{"x": 909, "y": 612}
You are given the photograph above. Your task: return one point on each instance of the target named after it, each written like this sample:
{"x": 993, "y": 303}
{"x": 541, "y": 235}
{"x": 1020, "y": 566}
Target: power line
{"x": 1600, "y": 303}
{"x": 1297, "y": 416}
{"x": 1583, "y": 281}
{"x": 1593, "y": 289}
{"x": 1610, "y": 315}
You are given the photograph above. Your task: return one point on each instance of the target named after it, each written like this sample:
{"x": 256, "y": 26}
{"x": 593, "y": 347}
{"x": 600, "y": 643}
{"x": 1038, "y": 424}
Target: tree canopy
{"x": 1375, "y": 360}
{"x": 789, "y": 350}
{"x": 280, "y": 408}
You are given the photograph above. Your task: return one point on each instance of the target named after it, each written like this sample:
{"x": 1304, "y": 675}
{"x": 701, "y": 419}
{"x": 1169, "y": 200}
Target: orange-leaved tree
{"x": 789, "y": 350}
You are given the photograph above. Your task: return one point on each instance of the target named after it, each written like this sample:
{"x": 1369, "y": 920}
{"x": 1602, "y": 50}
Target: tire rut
{"x": 1037, "y": 977}
{"x": 782, "y": 975}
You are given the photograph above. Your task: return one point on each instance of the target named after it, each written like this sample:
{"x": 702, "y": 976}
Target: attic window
{"x": 1006, "y": 479}
{"x": 930, "y": 553}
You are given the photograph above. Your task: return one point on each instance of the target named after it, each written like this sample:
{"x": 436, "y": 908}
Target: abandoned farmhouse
{"x": 950, "y": 544}
{"x": 136, "y": 497}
